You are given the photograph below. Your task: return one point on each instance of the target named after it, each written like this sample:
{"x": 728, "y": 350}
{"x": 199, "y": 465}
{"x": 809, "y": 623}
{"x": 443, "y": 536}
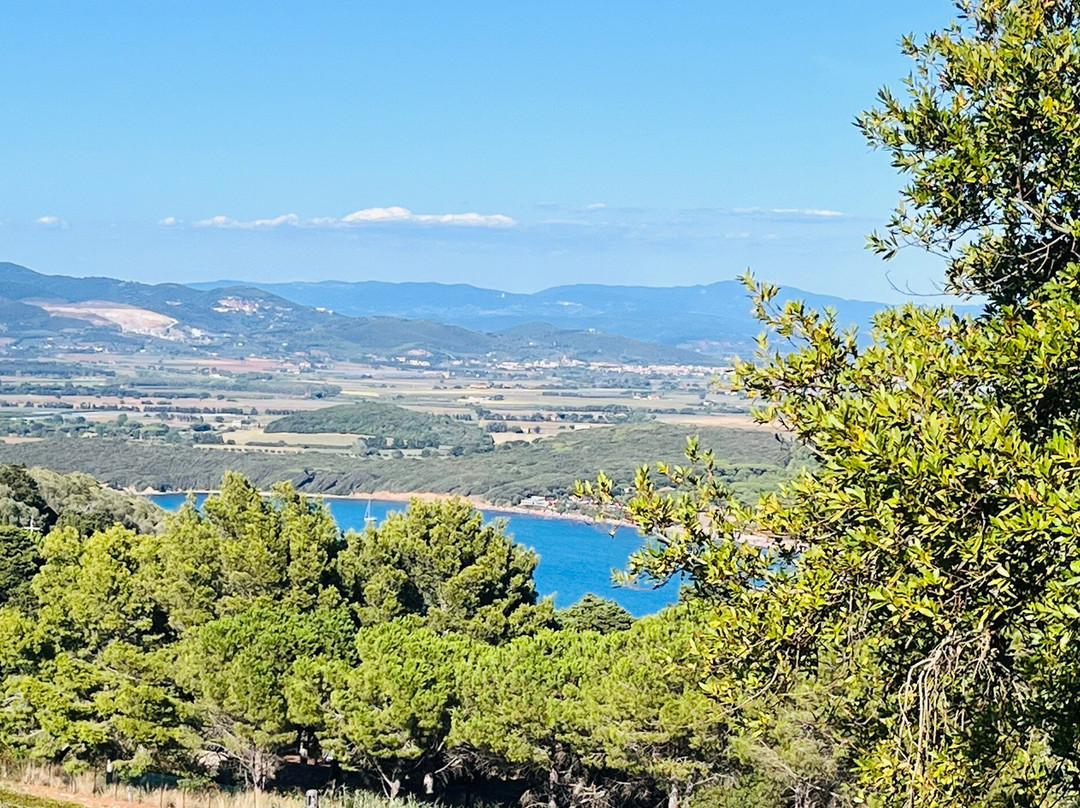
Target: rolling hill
{"x": 387, "y": 425}
{"x": 713, "y": 319}
{"x": 42, "y": 314}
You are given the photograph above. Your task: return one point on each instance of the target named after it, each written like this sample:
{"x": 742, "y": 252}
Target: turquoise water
{"x": 576, "y": 558}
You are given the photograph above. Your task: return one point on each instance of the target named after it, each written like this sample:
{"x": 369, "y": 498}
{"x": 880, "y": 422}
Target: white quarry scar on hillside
{"x": 131, "y": 319}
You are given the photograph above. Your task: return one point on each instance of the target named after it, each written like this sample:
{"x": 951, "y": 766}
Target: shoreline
{"x": 425, "y": 496}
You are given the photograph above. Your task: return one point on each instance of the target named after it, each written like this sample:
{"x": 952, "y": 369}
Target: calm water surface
{"x": 575, "y": 557}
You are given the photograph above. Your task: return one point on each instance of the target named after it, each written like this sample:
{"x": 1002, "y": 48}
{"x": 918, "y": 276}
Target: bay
{"x": 576, "y": 557}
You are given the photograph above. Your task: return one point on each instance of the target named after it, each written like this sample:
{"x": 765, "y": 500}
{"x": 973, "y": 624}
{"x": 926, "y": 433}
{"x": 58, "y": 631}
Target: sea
{"x": 576, "y": 557}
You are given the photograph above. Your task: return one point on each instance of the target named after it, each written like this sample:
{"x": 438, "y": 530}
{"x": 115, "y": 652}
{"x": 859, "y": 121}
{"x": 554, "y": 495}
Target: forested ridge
{"x": 752, "y": 460}
{"x": 388, "y": 425}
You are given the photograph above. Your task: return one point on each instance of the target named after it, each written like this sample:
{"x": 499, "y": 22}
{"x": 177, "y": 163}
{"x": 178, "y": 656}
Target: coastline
{"x": 481, "y": 504}
{"x": 426, "y": 496}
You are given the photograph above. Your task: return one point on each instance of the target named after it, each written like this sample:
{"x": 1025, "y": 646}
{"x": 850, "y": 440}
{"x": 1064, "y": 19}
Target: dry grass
{"x": 335, "y": 439}
{"x": 38, "y": 786}
{"x": 732, "y": 420}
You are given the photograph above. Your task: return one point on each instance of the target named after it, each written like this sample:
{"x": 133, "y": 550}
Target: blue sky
{"x": 647, "y": 143}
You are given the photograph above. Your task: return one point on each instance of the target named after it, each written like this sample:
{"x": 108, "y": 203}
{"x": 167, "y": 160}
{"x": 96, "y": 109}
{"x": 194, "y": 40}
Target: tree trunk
{"x": 395, "y": 788}
{"x": 673, "y": 796}
{"x": 256, "y": 775}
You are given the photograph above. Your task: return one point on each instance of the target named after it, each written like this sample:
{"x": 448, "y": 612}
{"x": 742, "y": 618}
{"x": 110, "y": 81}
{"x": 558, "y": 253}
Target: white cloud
{"x": 399, "y": 214}
{"x": 596, "y": 206}
{"x": 390, "y": 215}
{"x": 807, "y": 212}
{"x": 785, "y": 212}
{"x": 170, "y": 221}
{"x": 52, "y": 221}
{"x": 255, "y": 224}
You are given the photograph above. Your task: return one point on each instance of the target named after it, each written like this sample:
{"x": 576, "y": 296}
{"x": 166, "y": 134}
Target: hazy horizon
{"x": 254, "y": 282}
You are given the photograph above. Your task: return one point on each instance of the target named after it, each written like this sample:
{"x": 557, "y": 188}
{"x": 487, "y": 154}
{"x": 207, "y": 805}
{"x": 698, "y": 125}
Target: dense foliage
{"x": 751, "y": 460}
{"x": 389, "y": 426}
{"x": 986, "y": 135}
{"x": 78, "y": 426}
{"x": 416, "y": 652}
{"x": 916, "y": 602}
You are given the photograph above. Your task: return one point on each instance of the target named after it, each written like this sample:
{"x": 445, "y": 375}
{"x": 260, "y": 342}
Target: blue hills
{"x": 706, "y": 324}
{"x": 714, "y": 319}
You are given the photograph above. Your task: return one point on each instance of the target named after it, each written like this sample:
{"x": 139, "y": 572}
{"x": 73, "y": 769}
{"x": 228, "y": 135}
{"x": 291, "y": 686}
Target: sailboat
{"x": 369, "y": 520}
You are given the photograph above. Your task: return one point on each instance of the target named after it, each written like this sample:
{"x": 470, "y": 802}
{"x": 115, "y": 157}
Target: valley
{"x": 167, "y": 423}
{"x": 165, "y": 387}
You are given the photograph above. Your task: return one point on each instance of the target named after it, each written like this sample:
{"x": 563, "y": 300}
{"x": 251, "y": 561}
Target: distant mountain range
{"x": 714, "y": 319}
{"x": 43, "y": 314}
{"x": 372, "y": 319}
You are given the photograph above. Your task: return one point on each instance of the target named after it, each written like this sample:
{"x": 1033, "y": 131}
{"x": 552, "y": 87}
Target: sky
{"x": 513, "y": 145}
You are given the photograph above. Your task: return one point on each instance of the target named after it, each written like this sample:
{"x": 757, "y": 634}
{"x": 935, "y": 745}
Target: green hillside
{"x": 749, "y": 460}
{"x": 388, "y": 425}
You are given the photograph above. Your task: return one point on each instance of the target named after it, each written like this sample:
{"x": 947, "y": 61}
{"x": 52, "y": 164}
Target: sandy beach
{"x": 427, "y": 496}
